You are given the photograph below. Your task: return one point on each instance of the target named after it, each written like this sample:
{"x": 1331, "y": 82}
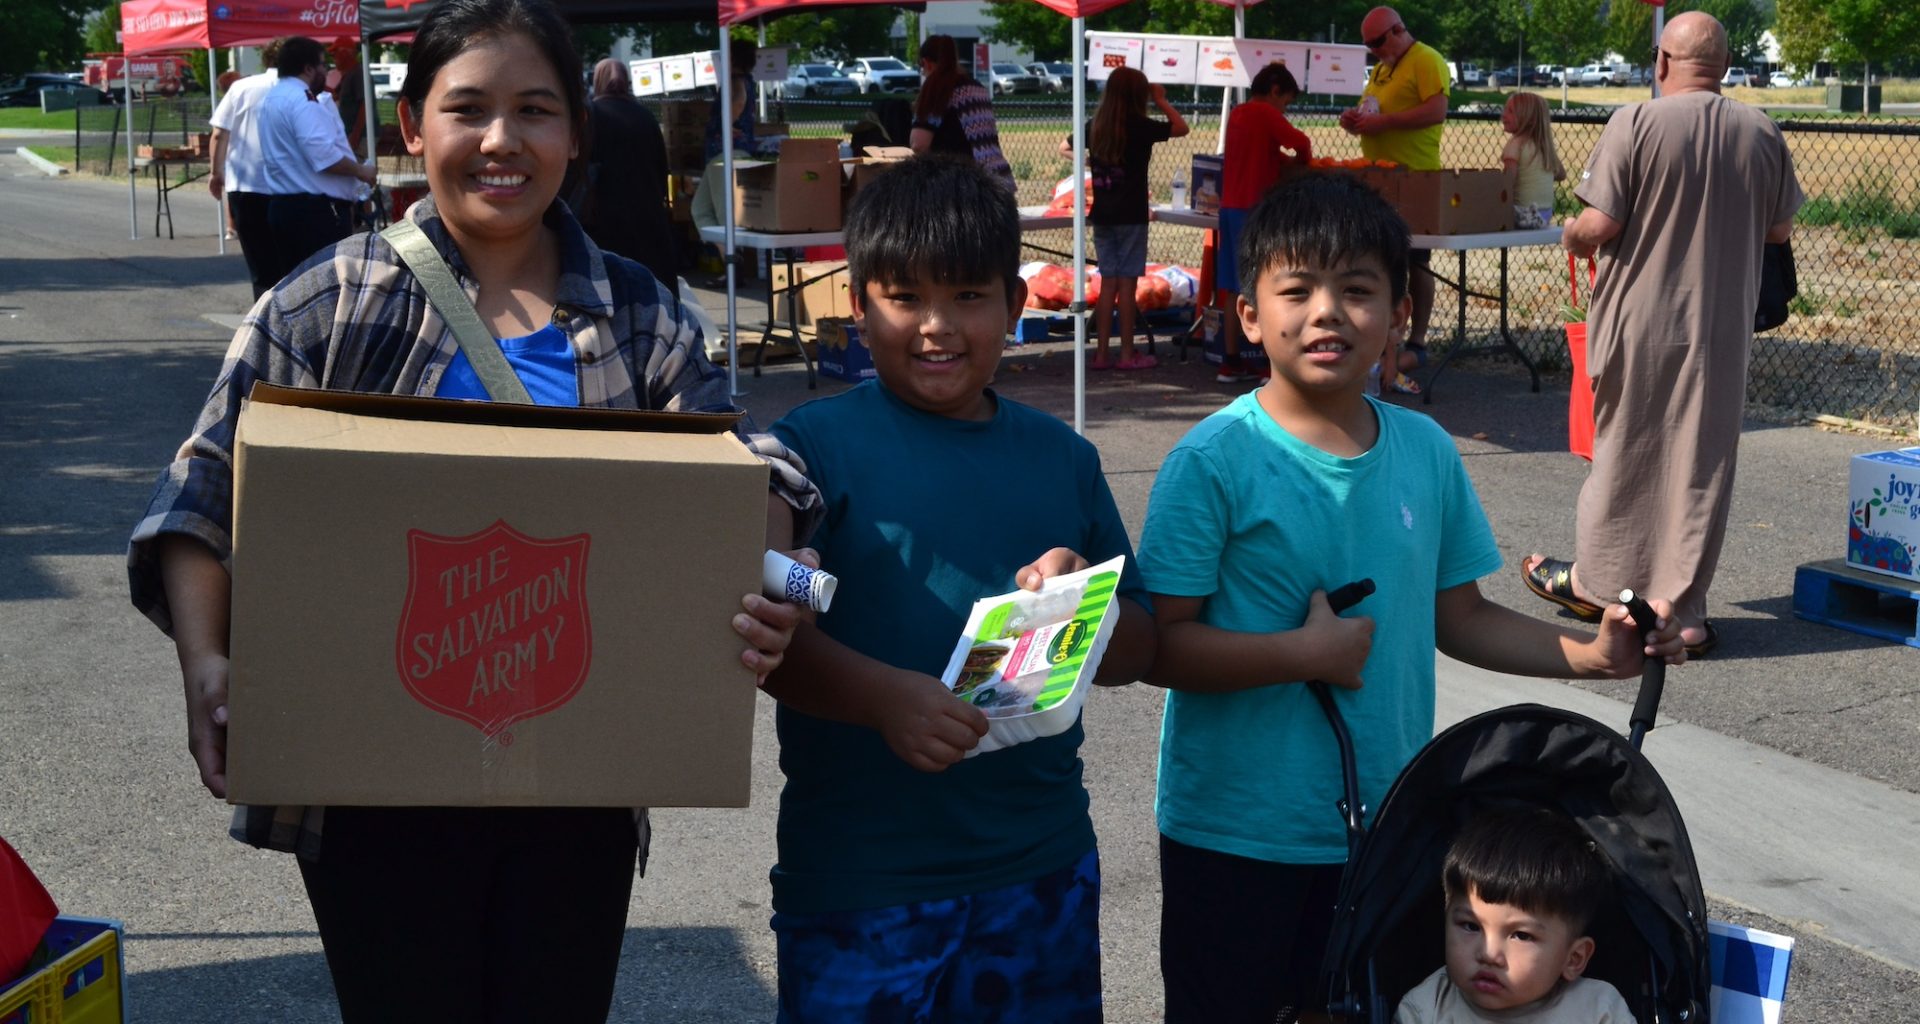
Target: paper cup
{"x": 784, "y": 579}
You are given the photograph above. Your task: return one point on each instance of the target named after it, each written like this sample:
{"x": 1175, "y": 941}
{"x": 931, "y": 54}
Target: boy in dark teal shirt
{"x": 914, "y": 883}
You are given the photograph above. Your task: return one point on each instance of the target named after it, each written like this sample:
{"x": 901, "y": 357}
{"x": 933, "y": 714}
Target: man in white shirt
{"x": 312, "y": 175}
{"x": 236, "y": 175}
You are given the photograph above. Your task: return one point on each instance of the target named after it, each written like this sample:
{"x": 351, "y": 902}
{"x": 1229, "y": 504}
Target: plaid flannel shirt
{"x": 355, "y": 319}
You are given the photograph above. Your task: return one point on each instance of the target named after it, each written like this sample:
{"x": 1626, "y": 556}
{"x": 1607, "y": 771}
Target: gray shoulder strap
{"x": 483, "y": 352}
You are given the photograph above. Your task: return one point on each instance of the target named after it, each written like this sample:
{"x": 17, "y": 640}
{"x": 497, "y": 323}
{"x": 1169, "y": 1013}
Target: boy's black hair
{"x": 1534, "y": 858}
{"x": 939, "y": 219}
{"x": 1274, "y": 79}
{"x": 1327, "y": 220}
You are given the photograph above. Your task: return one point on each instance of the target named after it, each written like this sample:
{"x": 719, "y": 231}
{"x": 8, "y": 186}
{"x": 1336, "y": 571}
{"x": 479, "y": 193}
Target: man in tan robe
{"x": 1680, "y": 191}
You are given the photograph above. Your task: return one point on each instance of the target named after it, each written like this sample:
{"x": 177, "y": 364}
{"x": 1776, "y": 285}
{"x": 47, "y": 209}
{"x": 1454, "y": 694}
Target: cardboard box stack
{"x": 823, "y": 291}
{"x": 430, "y": 610}
{"x": 1883, "y": 513}
{"x": 799, "y": 191}
{"x": 876, "y": 160}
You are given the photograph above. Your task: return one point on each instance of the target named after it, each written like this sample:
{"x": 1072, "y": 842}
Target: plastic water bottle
{"x": 1179, "y": 190}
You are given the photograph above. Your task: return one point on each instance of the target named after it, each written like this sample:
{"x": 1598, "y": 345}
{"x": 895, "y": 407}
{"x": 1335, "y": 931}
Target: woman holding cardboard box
{"x": 515, "y": 913}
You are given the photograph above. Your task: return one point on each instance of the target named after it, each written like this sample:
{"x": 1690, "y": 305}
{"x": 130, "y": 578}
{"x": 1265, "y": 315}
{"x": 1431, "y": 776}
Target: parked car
{"x": 804, "y": 80}
{"x": 1508, "y": 77}
{"x": 24, "y": 91}
{"x": 1466, "y": 74}
{"x": 886, "y": 74}
{"x": 1594, "y": 74}
{"x": 1005, "y": 79}
{"x": 1737, "y": 77}
{"x": 1786, "y": 80}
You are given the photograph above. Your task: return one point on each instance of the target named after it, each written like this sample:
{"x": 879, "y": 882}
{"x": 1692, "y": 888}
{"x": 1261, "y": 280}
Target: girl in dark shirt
{"x": 1120, "y": 143}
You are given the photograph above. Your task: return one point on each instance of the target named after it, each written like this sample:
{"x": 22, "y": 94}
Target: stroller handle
{"x": 1341, "y": 599}
{"x": 1653, "y": 677}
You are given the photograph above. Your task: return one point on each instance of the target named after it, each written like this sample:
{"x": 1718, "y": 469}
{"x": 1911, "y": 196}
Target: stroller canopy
{"x": 1651, "y": 944}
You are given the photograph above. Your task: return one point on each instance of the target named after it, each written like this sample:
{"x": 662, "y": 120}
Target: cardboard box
{"x": 469, "y": 604}
{"x": 841, "y": 351}
{"x": 798, "y": 192}
{"x": 862, "y": 170}
{"x": 1213, "y": 340}
{"x": 1205, "y": 182}
{"x": 824, "y": 290}
{"x": 1454, "y": 202}
{"x": 1883, "y": 513}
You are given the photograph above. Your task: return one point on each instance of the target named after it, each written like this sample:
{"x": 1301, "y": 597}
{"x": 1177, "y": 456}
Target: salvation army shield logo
{"x": 495, "y": 628}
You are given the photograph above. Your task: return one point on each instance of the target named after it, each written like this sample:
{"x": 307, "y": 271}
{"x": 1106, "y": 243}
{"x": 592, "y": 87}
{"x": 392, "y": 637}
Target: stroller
{"x": 1652, "y": 942}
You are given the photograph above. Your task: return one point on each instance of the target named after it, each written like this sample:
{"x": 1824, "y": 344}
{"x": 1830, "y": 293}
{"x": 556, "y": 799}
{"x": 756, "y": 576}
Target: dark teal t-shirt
{"x": 924, "y": 516}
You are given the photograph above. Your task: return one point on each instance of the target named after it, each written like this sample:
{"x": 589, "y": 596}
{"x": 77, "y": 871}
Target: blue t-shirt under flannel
{"x": 542, "y": 360}
{"x": 926, "y": 515}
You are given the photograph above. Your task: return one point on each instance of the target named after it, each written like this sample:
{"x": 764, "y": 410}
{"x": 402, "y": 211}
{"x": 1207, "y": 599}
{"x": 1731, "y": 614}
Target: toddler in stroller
{"x": 1521, "y": 886}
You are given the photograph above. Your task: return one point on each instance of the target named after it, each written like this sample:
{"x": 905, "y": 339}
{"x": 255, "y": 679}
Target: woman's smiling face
{"x": 497, "y": 135}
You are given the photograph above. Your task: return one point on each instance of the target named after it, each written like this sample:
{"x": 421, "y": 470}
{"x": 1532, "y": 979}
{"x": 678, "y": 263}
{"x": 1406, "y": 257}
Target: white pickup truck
{"x": 1594, "y": 74}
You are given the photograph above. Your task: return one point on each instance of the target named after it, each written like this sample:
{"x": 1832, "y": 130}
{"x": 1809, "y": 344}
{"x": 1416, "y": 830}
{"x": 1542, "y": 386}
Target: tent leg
{"x": 213, "y": 99}
{"x": 1079, "y": 226}
{"x": 729, "y": 251}
{"x": 133, "y": 173}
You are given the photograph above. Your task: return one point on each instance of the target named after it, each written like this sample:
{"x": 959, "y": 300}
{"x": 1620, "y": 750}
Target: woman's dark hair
{"x": 1276, "y": 80}
{"x": 297, "y": 54}
{"x": 938, "y": 218}
{"x": 1124, "y": 99}
{"x": 1327, "y": 220}
{"x": 937, "y": 88}
{"x": 1534, "y": 858}
{"x": 454, "y": 25}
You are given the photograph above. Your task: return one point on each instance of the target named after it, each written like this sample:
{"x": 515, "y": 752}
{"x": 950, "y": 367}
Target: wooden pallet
{"x": 1834, "y": 593}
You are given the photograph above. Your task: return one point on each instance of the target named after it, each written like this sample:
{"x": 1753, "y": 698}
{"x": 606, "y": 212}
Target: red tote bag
{"x": 1580, "y": 398}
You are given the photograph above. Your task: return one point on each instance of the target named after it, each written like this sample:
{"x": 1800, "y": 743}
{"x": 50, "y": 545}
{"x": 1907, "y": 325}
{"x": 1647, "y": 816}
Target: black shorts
{"x": 1241, "y": 938}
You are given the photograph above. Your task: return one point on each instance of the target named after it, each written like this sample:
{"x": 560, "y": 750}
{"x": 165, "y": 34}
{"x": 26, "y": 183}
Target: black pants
{"x": 1241, "y": 938}
{"x": 301, "y": 225}
{"x": 473, "y": 914}
{"x": 256, "y": 237}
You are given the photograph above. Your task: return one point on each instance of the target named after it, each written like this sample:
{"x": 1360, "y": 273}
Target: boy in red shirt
{"x": 1258, "y": 138}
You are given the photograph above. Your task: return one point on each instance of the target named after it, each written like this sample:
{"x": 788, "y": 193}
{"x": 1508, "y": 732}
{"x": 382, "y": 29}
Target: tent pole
{"x": 1659, "y": 24}
{"x": 728, "y": 252}
{"x": 367, "y": 99}
{"x": 1079, "y": 225}
{"x": 213, "y": 99}
{"x": 133, "y": 173}
{"x": 759, "y": 87}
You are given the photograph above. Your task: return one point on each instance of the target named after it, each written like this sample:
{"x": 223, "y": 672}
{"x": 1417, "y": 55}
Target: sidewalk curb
{"x": 51, "y": 169}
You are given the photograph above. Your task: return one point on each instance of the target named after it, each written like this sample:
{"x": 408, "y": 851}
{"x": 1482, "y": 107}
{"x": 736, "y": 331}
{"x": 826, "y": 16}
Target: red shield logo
{"x": 495, "y": 628}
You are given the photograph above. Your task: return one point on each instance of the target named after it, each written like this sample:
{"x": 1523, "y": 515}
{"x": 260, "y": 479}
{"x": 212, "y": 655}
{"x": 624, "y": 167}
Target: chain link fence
{"x": 102, "y": 139}
{"x": 1851, "y": 349}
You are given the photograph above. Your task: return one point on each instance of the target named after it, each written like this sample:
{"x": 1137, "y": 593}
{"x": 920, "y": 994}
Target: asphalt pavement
{"x": 1791, "y": 750}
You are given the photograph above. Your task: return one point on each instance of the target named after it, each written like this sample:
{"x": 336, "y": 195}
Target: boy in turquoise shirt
{"x": 915, "y": 884}
{"x": 1289, "y": 492}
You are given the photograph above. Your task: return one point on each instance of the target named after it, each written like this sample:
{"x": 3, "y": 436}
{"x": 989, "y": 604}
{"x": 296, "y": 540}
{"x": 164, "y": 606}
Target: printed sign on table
{"x": 1106, "y": 53}
{"x": 1170, "y": 61}
{"x": 1258, "y": 53}
{"x": 1218, "y": 63}
{"x": 678, "y": 72}
{"x": 1337, "y": 70}
{"x": 647, "y": 80}
{"x": 772, "y": 64}
{"x": 703, "y": 68}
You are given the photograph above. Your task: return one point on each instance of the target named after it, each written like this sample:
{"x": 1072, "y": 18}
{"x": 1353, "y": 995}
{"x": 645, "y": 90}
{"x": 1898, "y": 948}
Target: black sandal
{"x": 1552, "y": 580}
{"x": 1707, "y": 643}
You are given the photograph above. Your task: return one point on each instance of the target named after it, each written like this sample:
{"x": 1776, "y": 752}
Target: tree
{"x": 1743, "y": 21}
{"x": 1806, "y": 33}
{"x": 1568, "y": 31}
{"x": 847, "y": 32}
{"x": 1481, "y": 30}
{"x": 43, "y": 35}
{"x": 103, "y": 26}
{"x": 1876, "y": 31}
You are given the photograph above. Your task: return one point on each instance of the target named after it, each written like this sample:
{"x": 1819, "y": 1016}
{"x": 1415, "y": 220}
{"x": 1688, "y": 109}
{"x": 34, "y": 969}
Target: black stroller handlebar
{"x": 1340, "y": 599}
{"x": 1653, "y": 677}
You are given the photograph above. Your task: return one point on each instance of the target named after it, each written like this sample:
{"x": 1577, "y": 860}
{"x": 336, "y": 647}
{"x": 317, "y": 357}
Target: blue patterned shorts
{"x": 1028, "y": 952}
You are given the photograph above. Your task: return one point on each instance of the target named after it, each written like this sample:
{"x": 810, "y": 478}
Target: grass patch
{"x": 62, "y": 155}
{"x": 1864, "y": 205}
{"x": 31, "y": 117}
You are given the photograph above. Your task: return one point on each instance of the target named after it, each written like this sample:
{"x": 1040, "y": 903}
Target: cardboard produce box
{"x": 800, "y": 191}
{"x": 468, "y": 604}
{"x": 842, "y": 352}
{"x": 1454, "y": 202}
{"x": 862, "y": 170}
{"x": 1883, "y": 513}
{"x": 824, "y": 290}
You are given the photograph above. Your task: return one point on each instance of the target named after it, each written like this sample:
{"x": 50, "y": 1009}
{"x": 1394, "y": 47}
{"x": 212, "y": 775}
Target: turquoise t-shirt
{"x": 924, "y": 516}
{"x": 542, "y": 360}
{"x": 1255, "y": 520}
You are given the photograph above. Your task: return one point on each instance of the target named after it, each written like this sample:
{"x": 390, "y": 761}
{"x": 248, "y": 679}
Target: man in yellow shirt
{"x": 1400, "y": 117}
